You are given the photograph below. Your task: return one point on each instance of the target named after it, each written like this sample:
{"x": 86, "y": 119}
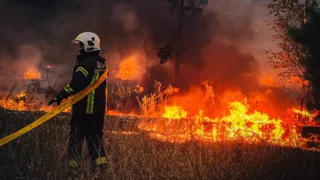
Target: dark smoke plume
{"x": 217, "y": 44}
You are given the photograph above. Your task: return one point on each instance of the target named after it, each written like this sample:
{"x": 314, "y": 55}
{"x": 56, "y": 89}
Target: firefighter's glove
{"x": 57, "y": 100}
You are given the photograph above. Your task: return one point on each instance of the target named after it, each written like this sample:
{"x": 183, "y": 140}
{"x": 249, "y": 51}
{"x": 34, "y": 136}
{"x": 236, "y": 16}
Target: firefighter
{"x": 87, "y": 119}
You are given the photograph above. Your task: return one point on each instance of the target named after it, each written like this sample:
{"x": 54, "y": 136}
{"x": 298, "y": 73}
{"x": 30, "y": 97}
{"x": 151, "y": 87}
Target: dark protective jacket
{"x": 89, "y": 67}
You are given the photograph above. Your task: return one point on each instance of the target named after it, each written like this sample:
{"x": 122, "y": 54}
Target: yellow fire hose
{"x": 55, "y": 111}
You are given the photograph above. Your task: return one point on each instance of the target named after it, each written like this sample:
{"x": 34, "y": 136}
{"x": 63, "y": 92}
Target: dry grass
{"x": 40, "y": 154}
{"x": 153, "y": 104}
{"x": 119, "y": 97}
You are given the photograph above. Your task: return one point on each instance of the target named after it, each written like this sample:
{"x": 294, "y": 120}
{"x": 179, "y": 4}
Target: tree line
{"x": 297, "y": 31}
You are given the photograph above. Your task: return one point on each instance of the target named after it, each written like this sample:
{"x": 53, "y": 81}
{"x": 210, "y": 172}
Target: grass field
{"x": 41, "y": 154}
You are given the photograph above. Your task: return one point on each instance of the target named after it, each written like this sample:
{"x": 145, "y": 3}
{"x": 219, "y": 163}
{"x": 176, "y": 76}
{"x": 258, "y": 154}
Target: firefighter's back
{"x": 95, "y": 102}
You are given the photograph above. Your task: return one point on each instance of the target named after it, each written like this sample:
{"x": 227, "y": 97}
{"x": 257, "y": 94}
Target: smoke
{"x": 222, "y": 45}
{"x": 225, "y": 46}
{"x": 27, "y": 59}
{"x": 126, "y": 16}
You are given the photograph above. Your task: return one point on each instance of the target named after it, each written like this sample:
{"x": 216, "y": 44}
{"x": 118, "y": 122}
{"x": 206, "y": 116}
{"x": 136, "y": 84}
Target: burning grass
{"x": 201, "y": 115}
{"x": 238, "y": 126}
{"x": 23, "y": 102}
{"x": 198, "y": 134}
{"x": 132, "y": 154}
{"x": 230, "y": 117}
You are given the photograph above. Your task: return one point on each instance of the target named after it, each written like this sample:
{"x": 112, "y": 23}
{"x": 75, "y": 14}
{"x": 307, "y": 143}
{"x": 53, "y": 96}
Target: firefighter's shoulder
{"x": 101, "y": 63}
{"x": 89, "y": 64}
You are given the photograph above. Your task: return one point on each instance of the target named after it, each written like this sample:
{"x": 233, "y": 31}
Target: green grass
{"x": 41, "y": 154}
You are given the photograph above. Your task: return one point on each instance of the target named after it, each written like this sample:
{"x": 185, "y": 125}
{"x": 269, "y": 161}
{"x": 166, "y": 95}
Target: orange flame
{"x": 32, "y": 75}
{"x": 190, "y": 116}
{"x": 138, "y": 89}
{"x": 298, "y": 80}
{"x": 304, "y": 113}
{"x": 130, "y": 68}
{"x": 21, "y": 103}
{"x": 268, "y": 81}
{"x": 21, "y": 95}
{"x": 174, "y": 112}
{"x": 13, "y": 105}
{"x": 237, "y": 125}
{"x": 239, "y": 121}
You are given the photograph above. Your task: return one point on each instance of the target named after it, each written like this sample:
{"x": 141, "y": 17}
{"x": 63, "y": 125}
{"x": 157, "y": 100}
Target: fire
{"x": 139, "y": 89}
{"x": 304, "y": 113}
{"x": 238, "y": 119}
{"x": 268, "y": 81}
{"x": 303, "y": 117}
{"x": 23, "y": 106}
{"x": 174, "y": 112}
{"x": 129, "y": 68}
{"x": 13, "y": 105}
{"x": 21, "y": 95}
{"x": 205, "y": 116}
{"x": 237, "y": 125}
{"x": 21, "y": 102}
{"x": 32, "y": 75}
{"x": 132, "y": 67}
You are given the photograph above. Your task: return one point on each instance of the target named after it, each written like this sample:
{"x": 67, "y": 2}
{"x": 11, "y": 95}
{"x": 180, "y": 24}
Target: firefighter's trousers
{"x": 87, "y": 127}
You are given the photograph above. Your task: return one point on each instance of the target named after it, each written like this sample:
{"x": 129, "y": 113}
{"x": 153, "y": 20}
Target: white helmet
{"x": 88, "y": 41}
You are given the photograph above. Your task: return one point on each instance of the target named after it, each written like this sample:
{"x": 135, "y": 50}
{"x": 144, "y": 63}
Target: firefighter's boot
{"x": 73, "y": 168}
{"x": 99, "y": 165}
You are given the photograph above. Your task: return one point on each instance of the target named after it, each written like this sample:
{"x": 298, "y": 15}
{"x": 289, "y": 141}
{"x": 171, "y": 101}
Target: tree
{"x": 297, "y": 26}
{"x": 144, "y": 63}
{"x": 288, "y": 14}
{"x": 147, "y": 53}
{"x": 308, "y": 37}
{"x": 184, "y": 8}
